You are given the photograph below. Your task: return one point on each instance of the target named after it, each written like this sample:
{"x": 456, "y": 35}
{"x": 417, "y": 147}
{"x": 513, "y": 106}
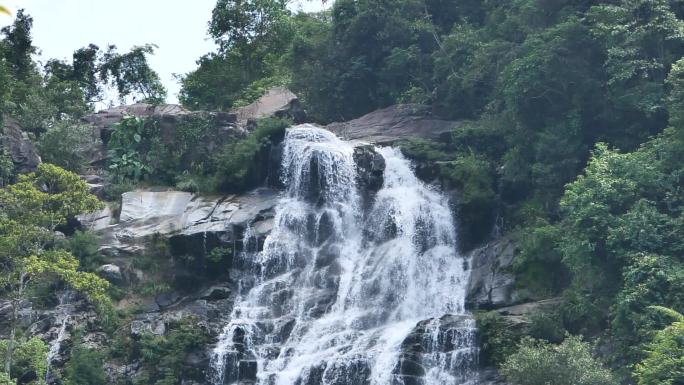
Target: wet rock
{"x": 388, "y": 125}
{"x": 370, "y": 168}
{"x": 491, "y": 283}
{"x": 18, "y": 145}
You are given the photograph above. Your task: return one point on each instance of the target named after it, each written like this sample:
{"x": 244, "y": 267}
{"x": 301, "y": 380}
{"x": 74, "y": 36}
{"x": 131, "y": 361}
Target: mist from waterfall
{"x": 339, "y": 296}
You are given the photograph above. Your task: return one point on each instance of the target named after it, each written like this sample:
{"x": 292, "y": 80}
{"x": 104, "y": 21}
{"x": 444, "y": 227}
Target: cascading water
{"x": 345, "y": 298}
{"x": 64, "y": 310}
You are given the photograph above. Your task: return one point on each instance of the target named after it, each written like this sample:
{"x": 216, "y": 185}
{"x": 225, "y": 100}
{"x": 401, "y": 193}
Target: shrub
{"x": 85, "y": 245}
{"x": 570, "y": 363}
{"x": 424, "y": 150}
{"x": 473, "y": 177}
{"x": 68, "y": 145}
{"x": 85, "y": 367}
{"x": 539, "y": 268}
{"x": 547, "y": 325}
{"x": 497, "y": 338}
{"x": 164, "y": 356}
{"x": 241, "y": 164}
{"x": 125, "y": 150}
{"x": 647, "y": 280}
{"x": 218, "y": 254}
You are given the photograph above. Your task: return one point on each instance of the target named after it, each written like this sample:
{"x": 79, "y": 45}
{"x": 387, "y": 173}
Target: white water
{"x": 63, "y": 309}
{"x": 338, "y": 292}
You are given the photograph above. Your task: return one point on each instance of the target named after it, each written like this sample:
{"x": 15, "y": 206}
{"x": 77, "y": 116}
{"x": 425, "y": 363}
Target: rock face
{"x": 111, "y": 273}
{"x": 491, "y": 283}
{"x": 394, "y": 123}
{"x": 181, "y": 216}
{"x": 20, "y": 148}
{"x": 520, "y": 314}
{"x": 168, "y": 117}
{"x": 278, "y": 102}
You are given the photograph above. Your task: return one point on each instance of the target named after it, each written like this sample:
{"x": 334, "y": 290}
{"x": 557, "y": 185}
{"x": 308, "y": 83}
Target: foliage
{"x": 85, "y": 366}
{"x": 42, "y": 96}
{"x": 647, "y": 280}
{"x": 139, "y": 150}
{"x": 164, "y": 356}
{"x": 547, "y": 325}
{"x": 240, "y": 164}
{"x": 125, "y": 148}
{"x": 497, "y": 339}
{"x": 253, "y": 36}
{"x": 47, "y": 198}
{"x": 6, "y": 167}
{"x": 423, "y": 150}
{"x": 219, "y": 254}
{"x": 32, "y": 208}
{"x": 473, "y": 177}
{"x": 85, "y": 246}
{"x": 29, "y": 356}
{"x": 570, "y": 363}
{"x": 5, "y": 379}
{"x": 131, "y": 74}
{"x": 68, "y": 145}
{"x": 664, "y": 363}
{"x": 539, "y": 268}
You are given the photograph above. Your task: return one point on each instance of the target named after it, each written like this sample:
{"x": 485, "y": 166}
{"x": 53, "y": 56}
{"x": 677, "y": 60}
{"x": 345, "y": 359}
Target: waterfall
{"x": 63, "y": 309}
{"x": 342, "y": 297}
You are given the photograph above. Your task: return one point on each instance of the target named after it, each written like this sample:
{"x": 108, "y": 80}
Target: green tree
{"x": 132, "y": 75}
{"x": 68, "y": 144}
{"x": 664, "y": 364}
{"x": 253, "y": 38}
{"x": 30, "y": 355}
{"x": 570, "y": 363}
{"x": 32, "y": 209}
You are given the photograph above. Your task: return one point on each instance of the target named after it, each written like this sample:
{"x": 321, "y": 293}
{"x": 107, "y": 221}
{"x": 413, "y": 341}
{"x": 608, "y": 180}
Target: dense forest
{"x": 570, "y": 140}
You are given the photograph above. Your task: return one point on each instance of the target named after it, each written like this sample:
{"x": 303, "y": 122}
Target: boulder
{"x": 276, "y": 102}
{"x": 18, "y": 145}
{"x": 491, "y": 283}
{"x": 150, "y": 324}
{"x": 394, "y": 123}
{"x": 111, "y": 273}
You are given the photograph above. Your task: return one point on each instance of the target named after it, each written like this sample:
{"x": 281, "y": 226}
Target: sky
{"x": 178, "y": 28}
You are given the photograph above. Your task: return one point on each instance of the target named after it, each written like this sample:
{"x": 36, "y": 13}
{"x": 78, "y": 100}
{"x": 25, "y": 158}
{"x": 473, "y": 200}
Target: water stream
{"x": 339, "y": 296}
{"x": 63, "y": 313}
